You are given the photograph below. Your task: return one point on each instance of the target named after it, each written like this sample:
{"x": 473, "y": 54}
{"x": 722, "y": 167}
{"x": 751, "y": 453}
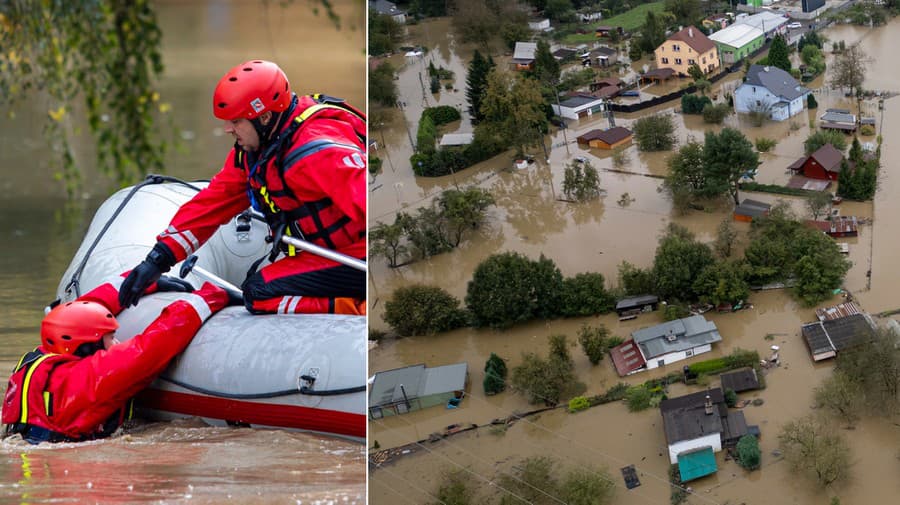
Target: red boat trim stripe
{"x": 268, "y": 414}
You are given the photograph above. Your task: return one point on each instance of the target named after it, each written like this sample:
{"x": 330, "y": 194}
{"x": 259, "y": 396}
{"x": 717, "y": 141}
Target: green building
{"x": 737, "y": 41}
{"x": 403, "y": 390}
{"x": 697, "y": 463}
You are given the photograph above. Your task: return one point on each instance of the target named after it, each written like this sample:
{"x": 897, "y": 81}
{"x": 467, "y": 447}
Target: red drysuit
{"x": 313, "y": 186}
{"x": 71, "y": 398}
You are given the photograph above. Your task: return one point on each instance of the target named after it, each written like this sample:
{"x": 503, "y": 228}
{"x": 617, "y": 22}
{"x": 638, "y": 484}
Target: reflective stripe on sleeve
{"x": 199, "y": 305}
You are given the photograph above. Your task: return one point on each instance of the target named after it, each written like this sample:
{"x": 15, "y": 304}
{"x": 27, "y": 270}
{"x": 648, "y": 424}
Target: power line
{"x": 545, "y": 493}
{"x": 482, "y": 477}
{"x": 411, "y": 483}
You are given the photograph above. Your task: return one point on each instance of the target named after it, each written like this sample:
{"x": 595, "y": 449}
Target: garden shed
{"x": 416, "y": 387}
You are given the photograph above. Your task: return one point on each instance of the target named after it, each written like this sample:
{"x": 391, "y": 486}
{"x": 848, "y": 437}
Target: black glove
{"x": 159, "y": 260}
{"x": 234, "y": 297}
{"x": 166, "y": 283}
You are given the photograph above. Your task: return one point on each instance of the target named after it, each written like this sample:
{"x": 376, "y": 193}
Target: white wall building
{"x": 770, "y": 89}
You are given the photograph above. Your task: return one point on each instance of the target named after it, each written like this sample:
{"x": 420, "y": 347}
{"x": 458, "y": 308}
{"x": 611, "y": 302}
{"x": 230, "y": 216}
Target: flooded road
{"x": 596, "y": 237}
{"x": 181, "y": 462}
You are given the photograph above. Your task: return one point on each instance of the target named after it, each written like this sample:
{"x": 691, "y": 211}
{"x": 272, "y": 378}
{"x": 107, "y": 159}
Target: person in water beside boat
{"x": 301, "y": 162}
{"x": 78, "y": 384}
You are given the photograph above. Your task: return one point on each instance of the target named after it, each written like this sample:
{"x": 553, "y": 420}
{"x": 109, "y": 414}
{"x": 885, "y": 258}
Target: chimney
{"x": 708, "y": 406}
{"x": 691, "y": 32}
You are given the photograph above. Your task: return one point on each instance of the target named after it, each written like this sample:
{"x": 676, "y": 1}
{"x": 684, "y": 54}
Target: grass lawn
{"x": 629, "y": 21}
{"x": 634, "y": 19}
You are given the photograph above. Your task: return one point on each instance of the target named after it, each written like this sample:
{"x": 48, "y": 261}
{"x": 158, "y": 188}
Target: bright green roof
{"x": 695, "y": 464}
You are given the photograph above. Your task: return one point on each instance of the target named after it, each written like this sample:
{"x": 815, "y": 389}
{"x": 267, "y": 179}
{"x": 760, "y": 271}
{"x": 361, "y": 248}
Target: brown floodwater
{"x": 187, "y": 461}
{"x": 596, "y": 237}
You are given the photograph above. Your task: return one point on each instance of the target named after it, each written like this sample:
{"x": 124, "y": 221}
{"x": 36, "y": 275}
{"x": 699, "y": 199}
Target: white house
{"x": 390, "y": 9}
{"x": 676, "y": 340}
{"x": 540, "y": 25}
{"x": 770, "y": 88}
{"x": 700, "y": 420}
{"x": 578, "y": 106}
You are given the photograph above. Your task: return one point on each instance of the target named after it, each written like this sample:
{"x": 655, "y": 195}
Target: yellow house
{"x": 686, "y": 47}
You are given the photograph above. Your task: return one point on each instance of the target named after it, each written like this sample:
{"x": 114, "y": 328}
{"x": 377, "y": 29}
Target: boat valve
{"x": 308, "y": 380}
{"x": 242, "y": 227}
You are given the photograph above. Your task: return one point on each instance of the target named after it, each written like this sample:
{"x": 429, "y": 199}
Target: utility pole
{"x": 559, "y": 106}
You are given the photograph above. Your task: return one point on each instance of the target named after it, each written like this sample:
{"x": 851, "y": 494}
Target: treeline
{"x": 509, "y": 288}
{"x": 506, "y": 289}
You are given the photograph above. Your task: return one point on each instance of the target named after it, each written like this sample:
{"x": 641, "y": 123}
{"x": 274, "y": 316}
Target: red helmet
{"x": 250, "y": 89}
{"x": 71, "y": 324}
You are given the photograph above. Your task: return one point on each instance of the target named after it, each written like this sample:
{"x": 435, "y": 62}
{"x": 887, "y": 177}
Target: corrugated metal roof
{"x": 457, "y": 139}
{"x": 764, "y": 21}
{"x": 443, "y": 379}
{"x": 740, "y": 380}
{"x": 737, "y": 35}
{"x": 626, "y": 358}
{"x": 525, "y": 50}
{"x": 417, "y": 381}
{"x": 685, "y": 417}
{"x": 636, "y": 301}
{"x": 838, "y": 311}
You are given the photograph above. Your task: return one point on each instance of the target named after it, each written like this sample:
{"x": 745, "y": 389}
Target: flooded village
{"x": 431, "y": 433}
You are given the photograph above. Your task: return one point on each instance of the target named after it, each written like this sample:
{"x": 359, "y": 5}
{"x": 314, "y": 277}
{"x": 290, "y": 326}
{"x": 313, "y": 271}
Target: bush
{"x": 423, "y": 310}
{"x": 509, "y": 288}
{"x": 578, "y": 404}
{"x": 715, "y": 114}
{"x": 748, "y": 453}
{"x": 675, "y": 311}
{"x": 638, "y": 398}
{"x": 694, "y": 104}
{"x": 442, "y": 114}
{"x": 811, "y": 102}
{"x": 613, "y": 394}
{"x": 374, "y": 164}
{"x": 867, "y": 130}
{"x": 731, "y": 398}
{"x": 593, "y": 342}
{"x": 822, "y": 137}
{"x": 494, "y": 375}
{"x": 765, "y": 145}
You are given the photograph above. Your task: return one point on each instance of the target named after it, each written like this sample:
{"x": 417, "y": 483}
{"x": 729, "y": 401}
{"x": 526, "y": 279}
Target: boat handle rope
{"x": 272, "y": 394}
{"x": 150, "y": 179}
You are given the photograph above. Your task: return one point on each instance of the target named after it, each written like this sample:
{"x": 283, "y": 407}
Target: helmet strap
{"x": 88, "y": 348}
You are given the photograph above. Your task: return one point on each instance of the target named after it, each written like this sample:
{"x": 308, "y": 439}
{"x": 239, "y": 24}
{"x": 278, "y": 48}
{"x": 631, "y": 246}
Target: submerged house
{"x": 828, "y": 337}
{"x": 578, "y": 106}
{"x": 416, "y": 387}
{"x": 772, "y": 91}
{"x": 750, "y": 209}
{"x": 606, "y": 139}
{"x": 824, "y": 163}
{"x": 686, "y": 47}
{"x": 838, "y": 119}
{"x": 664, "y": 344}
{"x": 523, "y": 55}
{"x": 697, "y": 422}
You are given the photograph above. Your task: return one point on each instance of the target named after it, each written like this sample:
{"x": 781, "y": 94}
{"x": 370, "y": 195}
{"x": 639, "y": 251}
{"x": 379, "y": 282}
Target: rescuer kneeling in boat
{"x": 301, "y": 162}
{"x": 77, "y": 385}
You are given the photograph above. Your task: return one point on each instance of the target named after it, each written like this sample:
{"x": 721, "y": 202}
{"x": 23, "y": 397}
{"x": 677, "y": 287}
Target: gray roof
{"x": 578, "y": 101}
{"x": 764, "y": 20}
{"x": 752, "y": 208}
{"x": 688, "y": 333}
{"x": 685, "y": 417}
{"x": 525, "y": 51}
{"x": 636, "y": 301}
{"x": 457, "y": 139}
{"x": 776, "y": 80}
{"x": 417, "y": 381}
{"x": 837, "y": 334}
{"x": 386, "y": 8}
{"x": 740, "y": 380}
{"x": 838, "y": 116}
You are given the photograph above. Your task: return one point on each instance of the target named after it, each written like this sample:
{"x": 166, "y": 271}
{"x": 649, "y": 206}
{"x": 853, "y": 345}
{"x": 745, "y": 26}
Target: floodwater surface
{"x": 595, "y": 237}
{"x": 185, "y": 461}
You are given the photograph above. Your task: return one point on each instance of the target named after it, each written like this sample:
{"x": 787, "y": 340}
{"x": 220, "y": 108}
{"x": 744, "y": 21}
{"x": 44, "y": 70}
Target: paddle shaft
{"x": 343, "y": 259}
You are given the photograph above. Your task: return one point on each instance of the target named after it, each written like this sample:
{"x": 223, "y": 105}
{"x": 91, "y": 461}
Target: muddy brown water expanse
{"x": 186, "y": 461}
{"x": 597, "y": 236}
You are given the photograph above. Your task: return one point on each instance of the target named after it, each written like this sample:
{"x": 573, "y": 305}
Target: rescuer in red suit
{"x": 77, "y": 385}
{"x": 301, "y": 162}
